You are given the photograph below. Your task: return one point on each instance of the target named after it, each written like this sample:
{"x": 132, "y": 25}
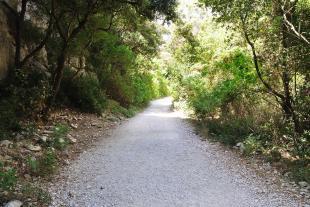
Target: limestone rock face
{"x": 6, "y": 43}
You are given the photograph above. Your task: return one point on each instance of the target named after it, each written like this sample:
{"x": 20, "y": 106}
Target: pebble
{"x": 74, "y": 126}
{"x": 34, "y": 148}
{"x": 303, "y": 184}
{"x": 44, "y": 138}
{"x": 71, "y": 139}
{"x": 6, "y": 143}
{"x": 14, "y": 203}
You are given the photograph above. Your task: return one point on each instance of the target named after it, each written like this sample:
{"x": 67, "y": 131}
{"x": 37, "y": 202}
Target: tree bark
{"x": 58, "y": 75}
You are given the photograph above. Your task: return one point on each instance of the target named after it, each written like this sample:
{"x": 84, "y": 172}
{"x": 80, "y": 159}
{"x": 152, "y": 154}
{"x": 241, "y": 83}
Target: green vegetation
{"x": 44, "y": 165}
{"x": 81, "y": 54}
{"x": 243, "y": 72}
{"x": 7, "y": 178}
{"x": 241, "y": 67}
{"x": 94, "y": 56}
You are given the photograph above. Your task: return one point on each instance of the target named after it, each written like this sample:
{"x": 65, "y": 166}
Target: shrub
{"x": 58, "y": 136}
{"x": 23, "y": 95}
{"x": 300, "y": 170}
{"x": 43, "y": 166}
{"x": 8, "y": 177}
{"x": 119, "y": 88}
{"x": 83, "y": 92}
{"x": 144, "y": 88}
{"x": 115, "y": 108}
{"x": 230, "y": 131}
{"x": 252, "y": 145}
{"x": 8, "y": 118}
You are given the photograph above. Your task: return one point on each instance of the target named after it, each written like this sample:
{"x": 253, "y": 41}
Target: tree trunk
{"x": 17, "y": 43}
{"x": 59, "y": 72}
{"x": 57, "y": 78}
{"x": 288, "y": 101}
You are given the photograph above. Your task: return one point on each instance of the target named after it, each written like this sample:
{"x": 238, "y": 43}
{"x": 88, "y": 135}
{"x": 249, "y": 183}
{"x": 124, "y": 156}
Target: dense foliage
{"x": 244, "y": 72}
{"x": 81, "y": 54}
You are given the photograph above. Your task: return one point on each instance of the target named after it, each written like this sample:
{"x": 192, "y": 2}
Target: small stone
{"x": 67, "y": 162}
{"x": 44, "y": 138}
{"x": 74, "y": 126}
{"x": 71, "y": 139}
{"x": 47, "y": 132}
{"x": 303, "y": 184}
{"x": 239, "y": 144}
{"x": 15, "y": 203}
{"x": 6, "y": 143}
{"x": 34, "y": 148}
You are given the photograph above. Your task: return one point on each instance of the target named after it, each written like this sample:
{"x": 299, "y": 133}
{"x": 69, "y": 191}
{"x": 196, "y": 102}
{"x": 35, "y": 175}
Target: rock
{"x": 67, "y": 162}
{"x": 48, "y": 132}
{"x": 15, "y": 203}
{"x": 303, "y": 184}
{"x": 6, "y": 143}
{"x": 71, "y": 139}
{"x": 34, "y": 148}
{"x": 239, "y": 144}
{"x": 74, "y": 126}
{"x": 241, "y": 147}
{"x": 44, "y": 138}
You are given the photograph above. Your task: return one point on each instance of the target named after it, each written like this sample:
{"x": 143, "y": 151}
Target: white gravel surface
{"x": 156, "y": 160}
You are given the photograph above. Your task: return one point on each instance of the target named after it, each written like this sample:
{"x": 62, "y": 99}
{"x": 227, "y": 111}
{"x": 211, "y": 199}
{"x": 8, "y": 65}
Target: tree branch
{"x": 40, "y": 45}
{"x": 255, "y": 59}
{"x": 293, "y": 29}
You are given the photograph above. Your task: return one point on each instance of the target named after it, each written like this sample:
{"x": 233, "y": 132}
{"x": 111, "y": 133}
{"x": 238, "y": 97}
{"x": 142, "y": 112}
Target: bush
{"x": 7, "y": 177}
{"x": 115, "y": 108}
{"x": 43, "y": 166}
{"x": 23, "y": 96}
{"x": 83, "y": 92}
{"x": 119, "y": 88}
{"x": 230, "y": 131}
{"x": 252, "y": 145}
{"x": 58, "y": 136}
{"x": 144, "y": 88}
{"x": 300, "y": 170}
{"x": 8, "y": 118}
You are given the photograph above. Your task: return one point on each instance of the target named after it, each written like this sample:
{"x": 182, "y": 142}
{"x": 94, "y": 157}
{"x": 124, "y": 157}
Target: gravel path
{"x": 155, "y": 160}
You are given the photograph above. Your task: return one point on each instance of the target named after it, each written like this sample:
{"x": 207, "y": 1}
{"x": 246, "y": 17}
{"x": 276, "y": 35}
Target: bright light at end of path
{"x": 166, "y": 115}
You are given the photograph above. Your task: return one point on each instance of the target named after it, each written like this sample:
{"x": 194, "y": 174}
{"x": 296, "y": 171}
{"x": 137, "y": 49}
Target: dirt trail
{"x": 156, "y": 160}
